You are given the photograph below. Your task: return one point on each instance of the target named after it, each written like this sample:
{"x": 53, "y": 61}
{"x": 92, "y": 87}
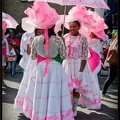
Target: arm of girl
{"x": 84, "y": 53}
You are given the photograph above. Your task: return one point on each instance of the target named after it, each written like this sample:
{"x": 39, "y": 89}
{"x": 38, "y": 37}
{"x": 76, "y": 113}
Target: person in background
{"x": 16, "y": 44}
{"x": 106, "y": 45}
{"x": 20, "y": 32}
{"x": 109, "y": 19}
{"x": 23, "y": 50}
{"x": 113, "y": 70}
{"x": 12, "y": 60}
{"x": 5, "y": 51}
{"x": 95, "y": 57}
{"x": 28, "y": 67}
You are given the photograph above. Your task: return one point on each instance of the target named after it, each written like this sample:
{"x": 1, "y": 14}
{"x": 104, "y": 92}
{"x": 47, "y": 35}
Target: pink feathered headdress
{"x": 41, "y": 15}
{"x": 80, "y": 13}
{"x": 4, "y": 26}
{"x": 90, "y": 21}
{"x": 100, "y": 25}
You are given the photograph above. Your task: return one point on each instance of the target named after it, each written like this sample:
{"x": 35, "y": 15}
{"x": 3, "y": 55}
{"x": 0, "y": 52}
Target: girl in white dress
{"x": 76, "y": 67}
{"x": 23, "y": 49}
{"x": 94, "y": 62}
{"x": 18, "y": 102}
{"x": 47, "y": 94}
{"x": 49, "y": 98}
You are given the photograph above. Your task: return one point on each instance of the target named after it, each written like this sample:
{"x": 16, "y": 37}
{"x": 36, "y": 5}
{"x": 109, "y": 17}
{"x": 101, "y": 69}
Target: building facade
{"x": 16, "y": 8}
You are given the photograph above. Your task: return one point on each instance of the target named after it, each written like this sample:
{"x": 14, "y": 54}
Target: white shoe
{"x": 75, "y": 113}
{"x": 106, "y": 95}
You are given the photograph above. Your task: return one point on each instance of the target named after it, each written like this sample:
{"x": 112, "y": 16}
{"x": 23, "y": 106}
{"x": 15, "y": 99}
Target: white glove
{"x": 80, "y": 76}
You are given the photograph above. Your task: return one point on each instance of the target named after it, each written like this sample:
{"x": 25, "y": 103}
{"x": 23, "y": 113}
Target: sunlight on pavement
{"x": 12, "y": 84}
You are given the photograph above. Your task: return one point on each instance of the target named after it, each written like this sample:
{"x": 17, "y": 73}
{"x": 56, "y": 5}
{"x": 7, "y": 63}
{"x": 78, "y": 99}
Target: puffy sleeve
{"x": 33, "y": 49}
{"x": 61, "y": 48}
{"x": 84, "y": 48}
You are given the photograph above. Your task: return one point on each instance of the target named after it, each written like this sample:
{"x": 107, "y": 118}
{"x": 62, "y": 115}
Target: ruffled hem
{"x": 68, "y": 115}
{"x": 29, "y": 113}
{"x": 82, "y": 88}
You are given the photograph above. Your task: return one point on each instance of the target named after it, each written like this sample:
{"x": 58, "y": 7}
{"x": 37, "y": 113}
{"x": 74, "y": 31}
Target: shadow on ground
{"x": 9, "y": 94}
{"x": 22, "y": 117}
{"x": 103, "y": 114}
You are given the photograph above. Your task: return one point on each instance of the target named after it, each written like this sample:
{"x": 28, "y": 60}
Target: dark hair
{"x": 51, "y": 31}
{"x": 35, "y": 31}
{"x": 78, "y": 23}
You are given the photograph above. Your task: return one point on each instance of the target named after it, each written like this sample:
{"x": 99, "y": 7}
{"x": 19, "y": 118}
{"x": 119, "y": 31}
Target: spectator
{"x": 16, "y": 44}
{"x": 12, "y": 60}
{"x": 113, "y": 70}
{"x": 109, "y": 18}
{"x": 23, "y": 50}
{"x": 107, "y": 43}
{"x": 19, "y": 35}
{"x": 5, "y": 51}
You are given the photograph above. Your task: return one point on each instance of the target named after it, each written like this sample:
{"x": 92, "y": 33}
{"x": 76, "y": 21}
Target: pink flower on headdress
{"x": 99, "y": 29}
{"x": 80, "y": 13}
{"x": 90, "y": 20}
{"x": 41, "y": 15}
{"x": 99, "y": 25}
{"x": 97, "y": 18}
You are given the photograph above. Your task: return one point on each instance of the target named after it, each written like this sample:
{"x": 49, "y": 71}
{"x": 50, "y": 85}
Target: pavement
{"x": 108, "y": 111}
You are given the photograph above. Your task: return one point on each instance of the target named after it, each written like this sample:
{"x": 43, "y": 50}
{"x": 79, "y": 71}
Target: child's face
{"x": 74, "y": 28}
{"x": 39, "y": 32}
{"x": 10, "y": 46}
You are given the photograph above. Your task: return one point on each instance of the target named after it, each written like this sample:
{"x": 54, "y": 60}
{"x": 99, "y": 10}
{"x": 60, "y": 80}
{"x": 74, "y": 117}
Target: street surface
{"x": 108, "y": 111}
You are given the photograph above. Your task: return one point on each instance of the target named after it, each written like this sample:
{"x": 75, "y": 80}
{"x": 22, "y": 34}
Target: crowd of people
{"x": 59, "y": 73}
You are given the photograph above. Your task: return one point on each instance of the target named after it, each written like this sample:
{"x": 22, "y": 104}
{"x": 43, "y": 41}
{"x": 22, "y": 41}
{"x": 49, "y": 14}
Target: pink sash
{"x": 94, "y": 60}
{"x": 40, "y": 59}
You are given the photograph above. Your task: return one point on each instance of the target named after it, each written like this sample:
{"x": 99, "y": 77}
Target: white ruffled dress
{"x": 29, "y": 66}
{"x": 47, "y": 97}
{"x": 77, "y": 49}
{"x": 96, "y": 46}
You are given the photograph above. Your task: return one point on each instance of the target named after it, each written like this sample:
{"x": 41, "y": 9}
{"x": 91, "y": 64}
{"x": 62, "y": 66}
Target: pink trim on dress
{"x": 19, "y": 101}
{"x": 75, "y": 82}
{"x": 96, "y": 101}
{"x": 28, "y": 110}
{"x": 73, "y": 47}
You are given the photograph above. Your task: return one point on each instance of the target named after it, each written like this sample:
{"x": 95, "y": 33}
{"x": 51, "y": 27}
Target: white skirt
{"x": 96, "y": 104}
{"x": 48, "y": 97}
{"x": 19, "y": 99}
{"x": 84, "y": 87}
